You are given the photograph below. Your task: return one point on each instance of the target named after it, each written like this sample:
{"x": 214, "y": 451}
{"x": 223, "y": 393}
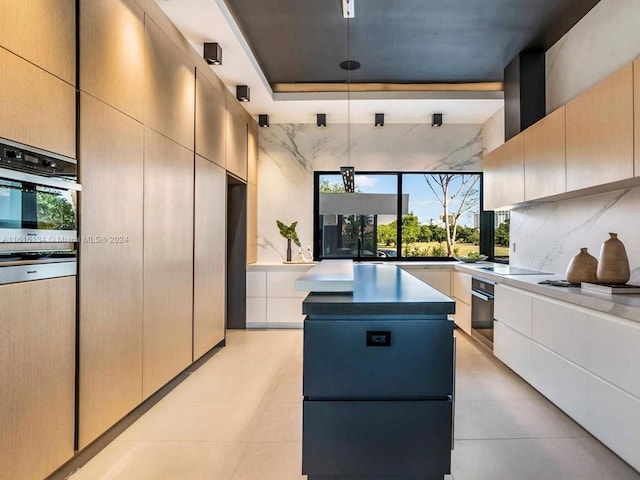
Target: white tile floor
{"x": 238, "y": 417}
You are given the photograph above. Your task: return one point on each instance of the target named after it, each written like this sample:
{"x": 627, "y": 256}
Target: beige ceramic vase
{"x": 614, "y": 265}
{"x": 582, "y": 268}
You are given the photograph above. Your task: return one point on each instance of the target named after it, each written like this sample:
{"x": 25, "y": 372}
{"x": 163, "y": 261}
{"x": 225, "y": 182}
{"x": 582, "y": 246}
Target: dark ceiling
{"x": 400, "y": 41}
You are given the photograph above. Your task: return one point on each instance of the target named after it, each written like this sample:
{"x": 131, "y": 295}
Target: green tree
{"x": 410, "y": 228}
{"x": 458, "y": 196}
{"x": 502, "y": 234}
{"x": 388, "y": 233}
{"x": 425, "y": 233}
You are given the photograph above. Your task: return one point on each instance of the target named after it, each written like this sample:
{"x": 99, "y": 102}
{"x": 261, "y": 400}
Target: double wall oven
{"x": 38, "y": 212}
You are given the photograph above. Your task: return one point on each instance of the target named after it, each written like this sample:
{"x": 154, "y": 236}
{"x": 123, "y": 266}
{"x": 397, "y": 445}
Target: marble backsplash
{"x": 548, "y": 235}
{"x": 289, "y": 154}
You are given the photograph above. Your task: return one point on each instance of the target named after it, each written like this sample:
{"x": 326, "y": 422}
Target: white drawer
{"x": 462, "y": 286}
{"x": 513, "y": 308}
{"x": 256, "y": 284}
{"x": 283, "y": 284}
{"x": 562, "y": 329}
{"x": 284, "y": 312}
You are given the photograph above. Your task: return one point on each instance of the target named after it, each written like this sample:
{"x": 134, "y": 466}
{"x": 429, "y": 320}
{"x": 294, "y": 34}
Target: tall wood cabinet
{"x": 43, "y": 33}
{"x": 252, "y": 194}
{"x": 38, "y": 108}
{"x": 168, "y": 260}
{"x": 600, "y": 133}
{"x": 112, "y": 54}
{"x": 504, "y": 174}
{"x": 37, "y": 364}
{"x": 237, "y": 135}
{"x": 636, "y": 110}
{"x": 211, "y": 124}
{"x": 545, "y": 157}
{"x": 209, "y": 289}
{"x": 111, "y": 149}
{"x": 169, "y": 87}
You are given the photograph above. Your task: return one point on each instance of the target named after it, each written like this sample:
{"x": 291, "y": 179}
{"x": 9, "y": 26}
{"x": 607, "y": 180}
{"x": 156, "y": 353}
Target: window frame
{"x": 486, "y": 218}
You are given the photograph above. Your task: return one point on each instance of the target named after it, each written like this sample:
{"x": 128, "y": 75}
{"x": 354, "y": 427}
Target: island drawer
{"x": 378, "y": 359}
{"x": 397, "y": 439}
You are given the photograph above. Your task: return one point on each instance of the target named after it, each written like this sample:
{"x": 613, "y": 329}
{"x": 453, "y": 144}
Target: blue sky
{"x": 422, "y": 201}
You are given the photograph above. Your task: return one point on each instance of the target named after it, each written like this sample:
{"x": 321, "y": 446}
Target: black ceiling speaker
{"x": 263, "y": 120}
{"x": 213, "y": 53}
{"x": 436, "y": 120}
{"x": 242, "y": 93}
{"x": 321, "y": 119}
{"x": 379, "y": 120}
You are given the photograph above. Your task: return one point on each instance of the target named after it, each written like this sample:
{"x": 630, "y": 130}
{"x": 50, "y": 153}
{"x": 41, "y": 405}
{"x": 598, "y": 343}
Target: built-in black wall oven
{"x": 482, "y": 296}
{"x": 38, "y": 201}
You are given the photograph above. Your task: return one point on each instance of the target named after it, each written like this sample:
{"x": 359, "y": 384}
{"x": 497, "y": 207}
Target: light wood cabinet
{"x": 38, "y": 108}
{"x": 211, "y": 121}
{"x": 209, "y": 293}
{"x": 112, "y": 54}
{"x": 600, "y": 133}
{"x": 169, "y": 87}
{"x": 504, "y": 174}
{"x": 42, "y": 32}
{"x": 237, "y": 137}
{"x": 636, "y": 110}
{"x": 37, "y": 374}
{"x": 111, "y": 156}
{"x": 168, "y": 260}
{"x": 545, "y": 157}
{"x": 252, "y": 154}
{"x": 252, "y": 223}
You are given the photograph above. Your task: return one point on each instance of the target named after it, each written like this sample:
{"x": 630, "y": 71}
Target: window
{"x": 398, "y": 215}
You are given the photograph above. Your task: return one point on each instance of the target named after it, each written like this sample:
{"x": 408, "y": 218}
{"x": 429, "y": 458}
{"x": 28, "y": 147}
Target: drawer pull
{"x": 378, "y": 339}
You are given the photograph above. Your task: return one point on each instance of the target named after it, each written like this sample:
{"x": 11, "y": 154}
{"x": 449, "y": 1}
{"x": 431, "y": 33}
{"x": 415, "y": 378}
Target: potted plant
{"x": 289, "y": 232}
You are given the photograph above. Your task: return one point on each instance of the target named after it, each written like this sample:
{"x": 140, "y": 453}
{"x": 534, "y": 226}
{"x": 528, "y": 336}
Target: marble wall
{"x": 601, "y": 43}
{"x": 290, "y": 153}
{"x": 548, "y": 235}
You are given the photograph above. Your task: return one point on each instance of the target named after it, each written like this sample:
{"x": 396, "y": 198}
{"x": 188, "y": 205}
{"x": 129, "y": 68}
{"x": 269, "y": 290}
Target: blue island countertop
{"x": 381, "y": 290}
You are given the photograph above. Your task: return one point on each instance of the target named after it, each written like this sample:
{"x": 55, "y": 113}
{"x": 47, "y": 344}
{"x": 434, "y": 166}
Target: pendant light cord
{"x": 349, "y": 91}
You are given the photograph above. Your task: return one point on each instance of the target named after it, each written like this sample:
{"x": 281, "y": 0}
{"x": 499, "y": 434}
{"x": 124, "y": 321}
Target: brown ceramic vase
{"x": 582, "y": 268}
{"x": 613, "y": 266}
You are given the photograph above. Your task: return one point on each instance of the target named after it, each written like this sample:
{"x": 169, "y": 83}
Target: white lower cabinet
{"x": 514, "y": 308}
{"x": 462, "y": 317}
{"x": 585, "y": 362}
{"x": 272, "y": 298}
{"x": 461, "y": 290}
{"x": 284, "y": 312}
{"x": 614, "y": 418}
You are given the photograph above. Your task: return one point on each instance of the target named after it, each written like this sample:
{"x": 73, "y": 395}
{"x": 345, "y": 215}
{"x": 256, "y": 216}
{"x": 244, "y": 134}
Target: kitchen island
{"x": 378, "y": 378}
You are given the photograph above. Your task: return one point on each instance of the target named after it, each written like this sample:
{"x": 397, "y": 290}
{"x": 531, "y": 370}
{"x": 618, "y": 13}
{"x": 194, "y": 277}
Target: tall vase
{"x": 288, "y": 249}
{"x": 582, "y": 268}
{"x": 614, "y": 265}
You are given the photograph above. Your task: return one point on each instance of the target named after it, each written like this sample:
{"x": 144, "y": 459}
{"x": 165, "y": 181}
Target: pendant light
{"x": 348, "y": 172}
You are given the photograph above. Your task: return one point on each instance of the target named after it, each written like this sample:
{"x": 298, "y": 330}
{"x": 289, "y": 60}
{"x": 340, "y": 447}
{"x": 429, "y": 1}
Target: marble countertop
{"x": 621, "y": 305}
{"x": 327, "y": 276}
{"x": 280, "y": 267}
{"x": 381, "y": 290}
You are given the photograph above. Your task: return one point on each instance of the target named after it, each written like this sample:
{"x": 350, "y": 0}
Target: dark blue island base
{"x": 378, "y": 378}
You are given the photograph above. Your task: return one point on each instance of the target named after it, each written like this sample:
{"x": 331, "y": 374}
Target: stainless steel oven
{"x": 38, "y": 196}
{"x": 482, "y": 297}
